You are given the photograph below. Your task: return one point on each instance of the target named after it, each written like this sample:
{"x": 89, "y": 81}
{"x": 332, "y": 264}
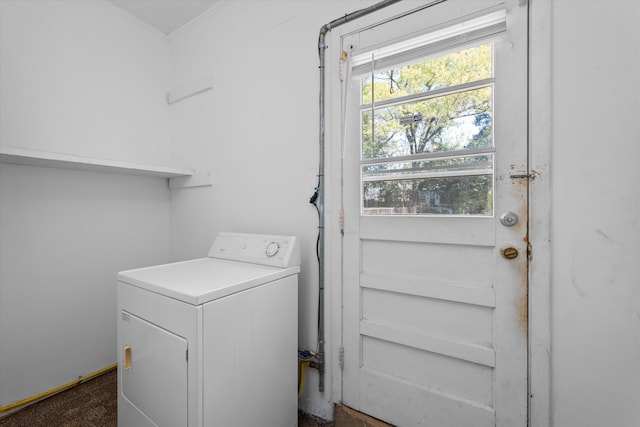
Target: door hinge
{"x": 529, "y": 251}
{"x": 341, "y": 358}
{"x": 342, "y": 221}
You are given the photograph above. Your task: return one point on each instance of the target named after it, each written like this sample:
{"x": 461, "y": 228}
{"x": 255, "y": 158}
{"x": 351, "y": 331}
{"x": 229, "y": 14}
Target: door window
{"x": 426, "y": 135}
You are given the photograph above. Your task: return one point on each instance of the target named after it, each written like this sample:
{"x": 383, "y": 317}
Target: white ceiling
{"x": 165, "y": 15}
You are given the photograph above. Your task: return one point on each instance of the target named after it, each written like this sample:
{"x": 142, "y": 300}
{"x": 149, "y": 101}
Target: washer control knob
{"x": 272, "y": 249}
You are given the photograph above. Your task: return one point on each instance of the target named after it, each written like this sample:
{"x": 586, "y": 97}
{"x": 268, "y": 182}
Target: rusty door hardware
{"x": 509, "y": 252}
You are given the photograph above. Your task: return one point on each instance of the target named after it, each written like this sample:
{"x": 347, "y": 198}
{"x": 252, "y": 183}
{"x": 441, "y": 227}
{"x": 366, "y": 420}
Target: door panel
{"x": 435, "y": 318}
{"x": 471, "y": 381}
{"x": 407, "y": 310}
{"x": 463, "y": 264}
{"x": 406, "y": 403}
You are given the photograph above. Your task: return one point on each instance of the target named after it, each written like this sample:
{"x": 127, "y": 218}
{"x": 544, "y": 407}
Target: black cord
{"x": 314, "y": 197}
{"x": 313, "y": 200}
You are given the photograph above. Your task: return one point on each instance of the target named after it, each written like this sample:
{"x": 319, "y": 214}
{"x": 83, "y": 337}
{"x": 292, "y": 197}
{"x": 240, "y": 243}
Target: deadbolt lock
{"x": 509, "y": 252}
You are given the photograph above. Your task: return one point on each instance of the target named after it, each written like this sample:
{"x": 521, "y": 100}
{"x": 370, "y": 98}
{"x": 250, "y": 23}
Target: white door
{"x": 435, "y": 152}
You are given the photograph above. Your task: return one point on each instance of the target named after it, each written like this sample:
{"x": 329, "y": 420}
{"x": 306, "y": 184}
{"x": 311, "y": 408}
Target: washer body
{"x": 211, "y": 341}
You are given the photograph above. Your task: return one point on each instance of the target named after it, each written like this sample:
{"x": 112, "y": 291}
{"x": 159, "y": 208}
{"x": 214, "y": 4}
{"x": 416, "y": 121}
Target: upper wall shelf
{"x": 23, "y": 156}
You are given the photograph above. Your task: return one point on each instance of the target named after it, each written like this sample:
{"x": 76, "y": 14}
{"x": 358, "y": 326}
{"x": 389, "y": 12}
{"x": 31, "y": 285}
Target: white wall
{"x": 82, "y": 78}
{"x": 77, "y": 78}
{"x": 257, "y": 133}
{"x": 595, "y": 236}
{"x": 64, "y": 236}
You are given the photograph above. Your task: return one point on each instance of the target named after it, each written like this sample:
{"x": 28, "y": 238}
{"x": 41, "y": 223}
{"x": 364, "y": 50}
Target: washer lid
{"x": 202, "y": 280}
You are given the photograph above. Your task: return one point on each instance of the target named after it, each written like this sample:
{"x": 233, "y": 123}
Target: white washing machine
{"x": 212, "y": 341}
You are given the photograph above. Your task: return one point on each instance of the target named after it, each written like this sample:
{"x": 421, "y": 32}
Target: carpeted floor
{"x": 92, "y": 404}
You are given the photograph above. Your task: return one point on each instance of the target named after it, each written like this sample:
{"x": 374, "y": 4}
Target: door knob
{"x": 509, "y": 252}
{"x": 508, "y": 219}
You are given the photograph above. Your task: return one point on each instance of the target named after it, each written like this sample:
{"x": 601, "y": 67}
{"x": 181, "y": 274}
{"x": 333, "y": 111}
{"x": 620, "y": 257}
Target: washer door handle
{"x": 127, "y": 358}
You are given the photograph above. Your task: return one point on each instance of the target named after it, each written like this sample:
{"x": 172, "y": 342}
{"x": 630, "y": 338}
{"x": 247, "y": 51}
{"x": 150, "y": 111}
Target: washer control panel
{"x": 273, "y": 250}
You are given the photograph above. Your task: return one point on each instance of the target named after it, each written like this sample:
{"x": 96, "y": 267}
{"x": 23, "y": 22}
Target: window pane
{"x": 457, "y": 121}
{"x": 443, "y": 71}
{"x": 455, "y": 195}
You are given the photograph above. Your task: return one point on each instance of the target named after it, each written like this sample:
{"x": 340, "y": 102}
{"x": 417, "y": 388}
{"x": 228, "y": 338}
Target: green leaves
{"x": 448, "y": 120}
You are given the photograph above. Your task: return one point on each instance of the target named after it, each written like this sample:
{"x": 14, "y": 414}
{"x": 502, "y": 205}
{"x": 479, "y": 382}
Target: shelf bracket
{"x": 198, "y": 179}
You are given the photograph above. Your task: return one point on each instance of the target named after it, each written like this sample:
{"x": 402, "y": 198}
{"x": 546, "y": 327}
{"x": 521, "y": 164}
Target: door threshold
{"x": 343, "y": 416}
